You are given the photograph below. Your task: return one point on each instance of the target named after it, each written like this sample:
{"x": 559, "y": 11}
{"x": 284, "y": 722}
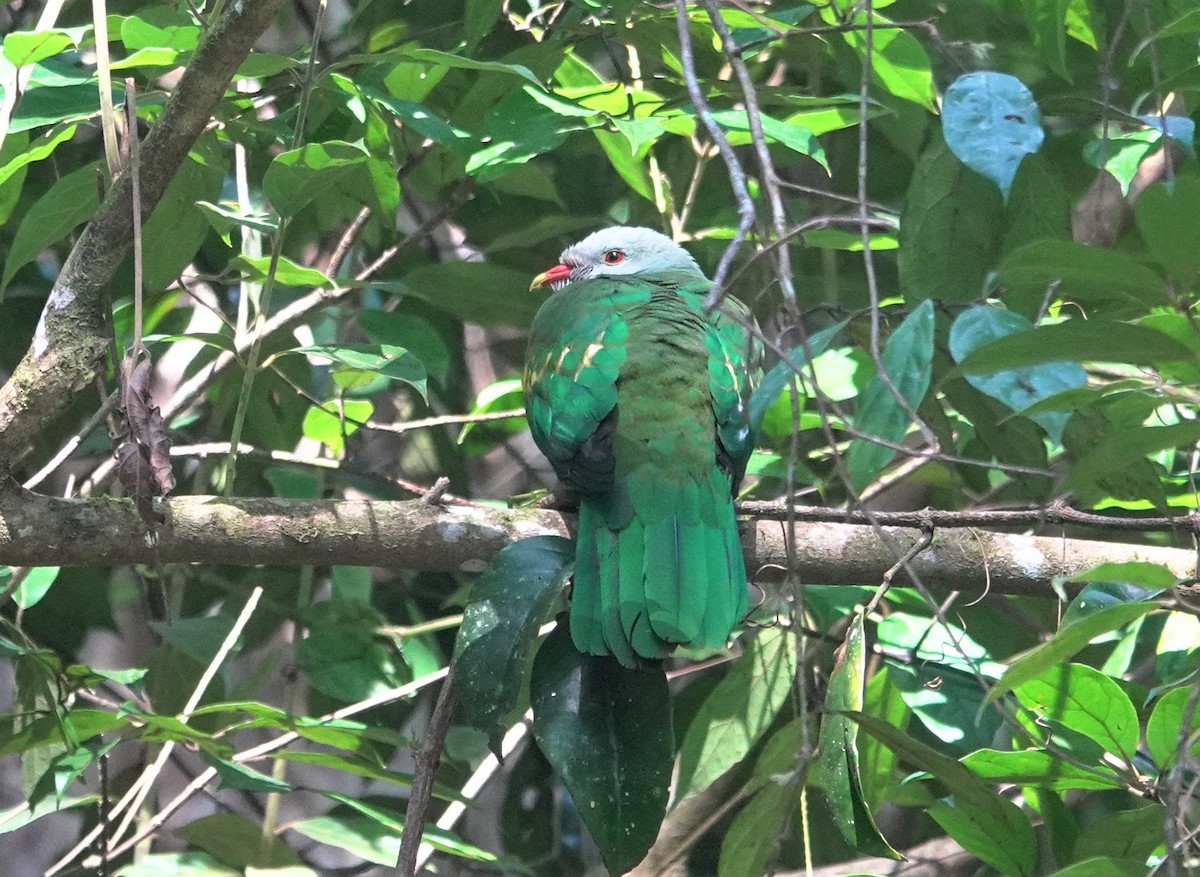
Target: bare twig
{"x": 427, "y": 757}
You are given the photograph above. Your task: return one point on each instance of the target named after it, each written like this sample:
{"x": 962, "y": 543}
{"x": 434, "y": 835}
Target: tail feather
{"x": 586, "y": 629}
{"x": 671, "y": 574}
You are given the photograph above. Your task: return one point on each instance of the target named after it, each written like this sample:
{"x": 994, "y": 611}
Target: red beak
{"x": 555, "y": 274}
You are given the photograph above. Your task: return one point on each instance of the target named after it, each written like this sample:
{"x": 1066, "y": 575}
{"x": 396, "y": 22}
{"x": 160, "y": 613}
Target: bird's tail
{"x": 672, "y": 575}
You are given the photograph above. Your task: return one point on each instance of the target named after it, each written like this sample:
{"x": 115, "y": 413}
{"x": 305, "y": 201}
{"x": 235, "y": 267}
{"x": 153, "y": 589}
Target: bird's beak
{"x": 555, "y": 274}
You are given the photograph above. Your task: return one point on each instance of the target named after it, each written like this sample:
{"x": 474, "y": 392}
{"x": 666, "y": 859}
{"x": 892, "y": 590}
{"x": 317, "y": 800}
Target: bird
{"x": 638, "y": 397}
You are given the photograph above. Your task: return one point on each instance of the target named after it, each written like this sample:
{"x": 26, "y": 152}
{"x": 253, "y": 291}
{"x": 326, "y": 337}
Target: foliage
{"x": 999, "y": 310}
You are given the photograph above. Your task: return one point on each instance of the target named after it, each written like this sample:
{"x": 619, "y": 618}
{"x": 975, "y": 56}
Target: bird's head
{"x": 622, "y": 251}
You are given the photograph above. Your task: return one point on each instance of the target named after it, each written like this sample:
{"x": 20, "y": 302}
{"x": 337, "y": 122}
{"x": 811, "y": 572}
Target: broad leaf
{"x": 508, "y": 603}
{"x": 738, "y": 711}
{"x": 607, "y": 732}
{"x": 991, "y": 122}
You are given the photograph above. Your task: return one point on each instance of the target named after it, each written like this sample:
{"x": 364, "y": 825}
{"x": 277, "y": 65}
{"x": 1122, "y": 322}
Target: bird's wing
{"x": 734, "y": 361}
{"x": 576, "y": 348}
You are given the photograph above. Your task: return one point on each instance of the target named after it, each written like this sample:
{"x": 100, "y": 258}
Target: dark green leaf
{"x": 1127, "y": 836}
{"x": 947, "y": 228}
{"x": 69, "y": 202}
{"x": 238, "y": 842}
{"x": 508, "y": 603}
{"x": 1006, "y": 842}
{"x": 238, "y": 776}
{"x": 785, "y": 371}
{"x": 752, "y": 836}
{"x": 189, "y": 864}
{"x": 393, "y": 363}
{"x": 1085, "y": 273}
{"x": 607, "y": 732}
{"x": 1164, "y": 215}
{"x": 340, "y": 655}
{"x": 1076, "y": 341}
{"x": 476, "y": 292}
{"x": 1166, "y": 724}
{"x": 298, "y": 176}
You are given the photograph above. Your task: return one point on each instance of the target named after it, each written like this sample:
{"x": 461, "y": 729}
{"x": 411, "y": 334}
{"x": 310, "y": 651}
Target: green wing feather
{"x": 638, "y": 398}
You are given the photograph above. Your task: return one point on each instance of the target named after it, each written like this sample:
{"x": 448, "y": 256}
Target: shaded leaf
{"x": 508, "y": 603}
{"x": 1087, "y": 701}
{"x": 606, "y": 730}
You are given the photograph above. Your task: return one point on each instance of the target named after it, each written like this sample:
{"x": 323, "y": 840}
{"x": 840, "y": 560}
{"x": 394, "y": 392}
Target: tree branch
{"x": 69, "y": 343}
{"x": 38, "y": 530}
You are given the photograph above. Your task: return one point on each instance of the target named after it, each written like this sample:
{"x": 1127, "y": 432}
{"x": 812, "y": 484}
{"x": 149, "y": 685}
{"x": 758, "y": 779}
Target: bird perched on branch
{"x": 638, "y": 397}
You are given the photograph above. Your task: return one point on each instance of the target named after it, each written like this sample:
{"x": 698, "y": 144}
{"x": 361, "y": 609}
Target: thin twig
{"x": 427, "y": 757}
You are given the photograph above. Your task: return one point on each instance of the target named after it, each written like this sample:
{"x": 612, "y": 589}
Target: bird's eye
{"x": 614, "y": 257}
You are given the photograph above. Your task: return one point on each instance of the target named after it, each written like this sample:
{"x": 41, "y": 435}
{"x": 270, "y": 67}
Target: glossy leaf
{"x": 837, "y": 750}
{"x": 1006, "y": 842}
{"x": 908, "y": 362}
{"x": 991, "y": 121}
{"x": 508, "y": 603}
{"x": 69, "y": 202}
{"x": 607, "y": 732}
{"x": 34, "y": 585}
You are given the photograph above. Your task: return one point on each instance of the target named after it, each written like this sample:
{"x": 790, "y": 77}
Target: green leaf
{"x": 1046, "y": 20}
{"x": 424, "y": 121}
{"x": 29, "y": 47}
{"x": 1077, "y": 341}
{"x": 238, "y": 842}
{"x": 393, "y": 363}
{"x": 446, "y": 59}
{"x": 18, "y": 817}
{"x": 1103, "y": 867}
{"x": 1088, "y": 274}
{"x": 1116, "y": 450}
{"x": 70, "y": 201}
{"x": 1084, "y": 700}
{"x": 1066, "y": 642}
{"x": 607, "y": 732}
{"x": 503, "y": 395}
{"x": 175, "y": 230}
{"x": 947, "y": 228}
{"x": 340, "y": 655}
{"x": 1017, "y": 388}
{"x": 738, "y": 712}
{"x": 837, "y": 766}
{"x": 1165, "y": 724}
{"x": 160, "y": 27}
{"x": 323, "y": 423}
{"x": 238, "y": 776}
{"x": 298, "y": 176}
{"x": 387, "y": 818}
{"x": 991, "y": 121}
{"x": 1006, "y": 843}
{"x": 898, "y": 60}
{"x": 1130, "y": 835}
{"x": 1037, "y": 767}
{"x": 225, "y": 219}
{"x": 518, "y": 128}
{"x": 41, "y": 148}
{"x": 784, "y": 372}
{"x": 34, "y": 586}
{"x": 1163, "y": 213}
{"x": 790, "y": 134}
{"x": 754, "y": 833}
{"x": 908, "y": 362}
{"x": 508, "y": 603}
{"x": 351, "y": 584}
{"x": 41, "y": 106}
{"x": 287, "y": 273}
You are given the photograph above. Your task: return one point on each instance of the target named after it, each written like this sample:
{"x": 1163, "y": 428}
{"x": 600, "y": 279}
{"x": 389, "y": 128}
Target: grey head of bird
{"x": 622, "y": 251}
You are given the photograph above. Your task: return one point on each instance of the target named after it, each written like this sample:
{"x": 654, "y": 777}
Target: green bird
{"x": 638, "y": 397}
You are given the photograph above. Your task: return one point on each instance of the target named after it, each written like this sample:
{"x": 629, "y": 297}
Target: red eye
{"x": 614, "y": 257}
